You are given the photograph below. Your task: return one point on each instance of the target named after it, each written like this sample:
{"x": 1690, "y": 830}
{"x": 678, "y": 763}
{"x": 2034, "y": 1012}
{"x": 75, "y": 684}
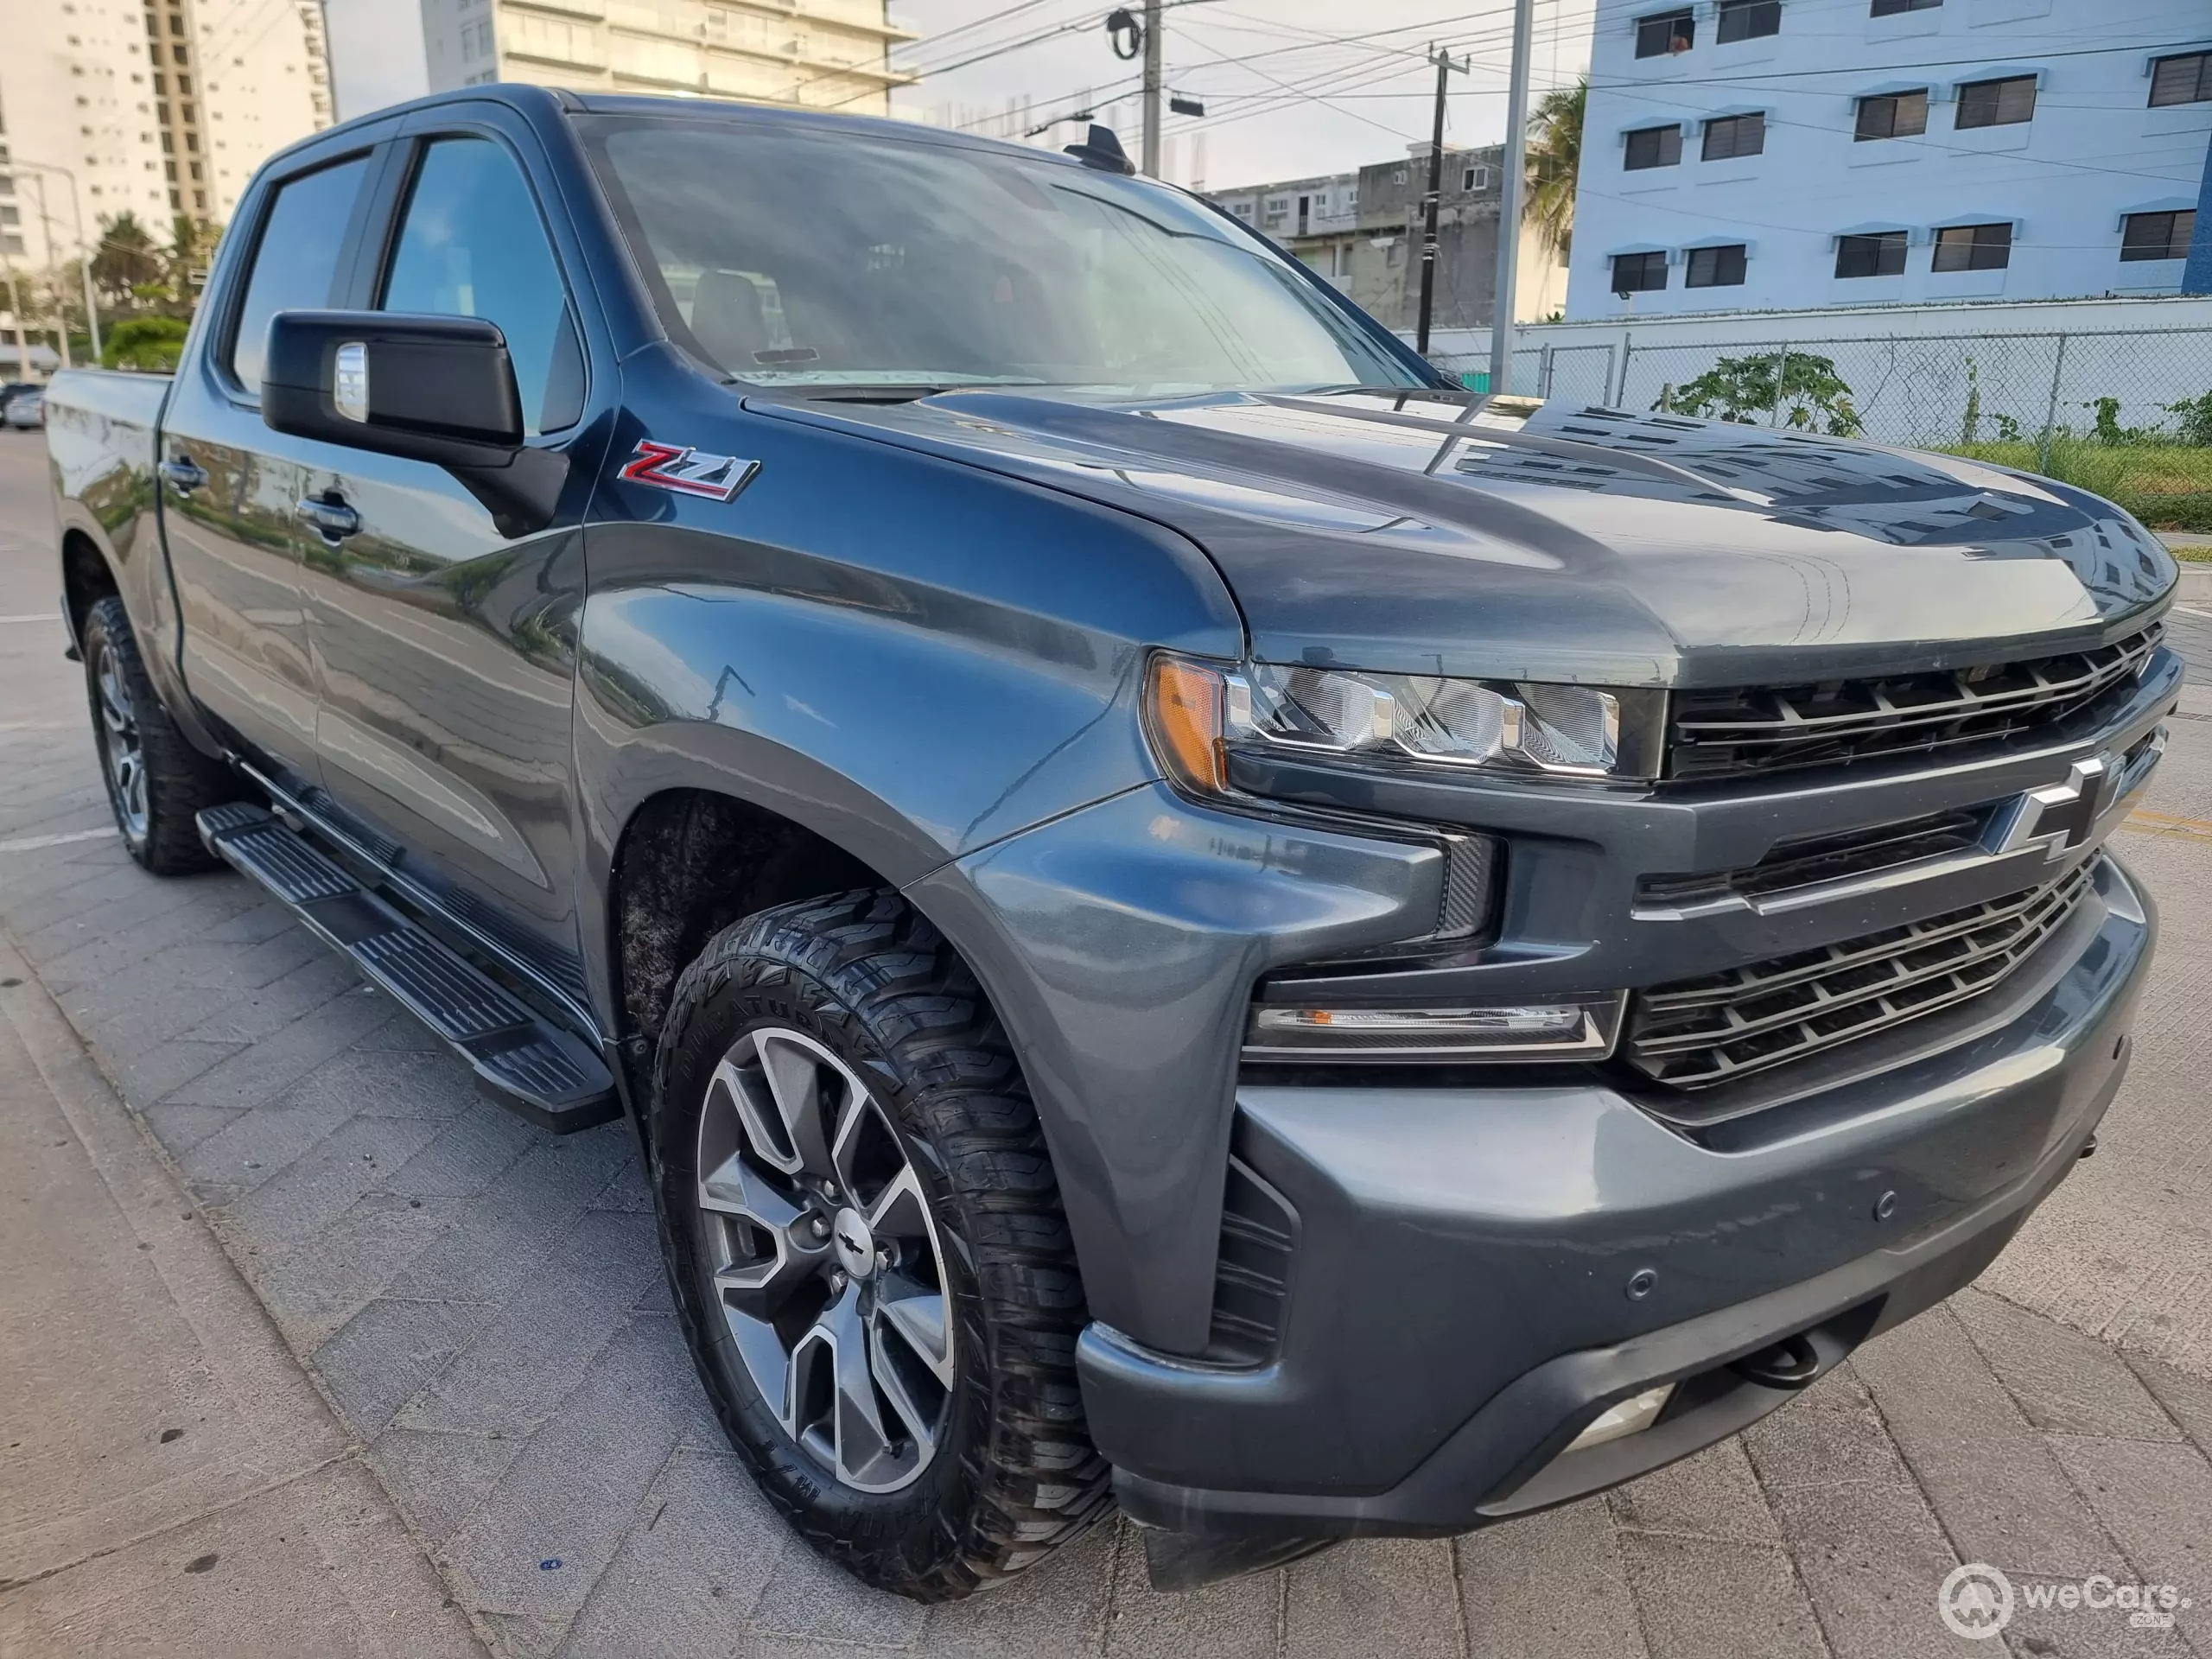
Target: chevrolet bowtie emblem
{"x": 2062, "y": 817}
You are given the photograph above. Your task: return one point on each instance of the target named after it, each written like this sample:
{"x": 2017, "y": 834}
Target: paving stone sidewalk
{"x": 484, "y": 1306}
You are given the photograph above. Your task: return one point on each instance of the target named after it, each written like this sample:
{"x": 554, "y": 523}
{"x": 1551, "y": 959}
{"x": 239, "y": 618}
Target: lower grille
{"x": 1698, "y": 1032}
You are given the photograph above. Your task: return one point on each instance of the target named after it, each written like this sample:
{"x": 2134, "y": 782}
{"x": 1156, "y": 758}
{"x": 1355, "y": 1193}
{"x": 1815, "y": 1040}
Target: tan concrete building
{"x": 154, "y": 107}
{"x": 824, "y": 54}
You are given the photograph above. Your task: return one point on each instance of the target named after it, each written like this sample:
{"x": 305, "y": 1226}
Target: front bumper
{"x": 1478, "y": 1272}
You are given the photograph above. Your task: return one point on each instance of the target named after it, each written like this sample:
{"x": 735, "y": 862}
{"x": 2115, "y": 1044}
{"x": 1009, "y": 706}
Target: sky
{"x": 1291, "y": 87}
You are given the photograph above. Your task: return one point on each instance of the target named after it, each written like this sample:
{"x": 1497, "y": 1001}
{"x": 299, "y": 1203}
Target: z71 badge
{"x": 678, "y": 466}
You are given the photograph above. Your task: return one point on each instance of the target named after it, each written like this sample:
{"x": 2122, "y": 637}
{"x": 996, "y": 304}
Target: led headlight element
{"x": 1572, "y": 731}
{"x": 1552, "y": 1028}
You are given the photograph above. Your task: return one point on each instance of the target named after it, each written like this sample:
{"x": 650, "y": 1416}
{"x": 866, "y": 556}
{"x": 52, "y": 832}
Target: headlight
{"x": 1197, "y": 712}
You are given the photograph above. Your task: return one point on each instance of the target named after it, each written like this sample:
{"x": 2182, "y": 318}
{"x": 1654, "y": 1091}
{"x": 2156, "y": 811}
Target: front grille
{"x": 1698, "y": 1032}
{"x": 1769, "y": 728}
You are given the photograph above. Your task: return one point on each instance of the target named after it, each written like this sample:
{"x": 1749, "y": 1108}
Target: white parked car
{"x": 26, "y": 411}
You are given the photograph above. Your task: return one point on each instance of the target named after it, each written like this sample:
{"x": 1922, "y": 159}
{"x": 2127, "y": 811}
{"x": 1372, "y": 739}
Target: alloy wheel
{"x": 823, "y": 1259}
{"x": 121, "y": 747}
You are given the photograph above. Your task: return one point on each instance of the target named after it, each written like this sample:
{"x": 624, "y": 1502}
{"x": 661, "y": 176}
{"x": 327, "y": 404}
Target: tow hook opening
{"x": 1793, "y": 1363}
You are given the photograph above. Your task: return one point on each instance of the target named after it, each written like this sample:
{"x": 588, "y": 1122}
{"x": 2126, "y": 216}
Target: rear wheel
{"x": 868, "y": 1248}
{"x": 157, "y": 783}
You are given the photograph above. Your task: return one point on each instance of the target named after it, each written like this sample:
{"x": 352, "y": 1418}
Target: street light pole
{"x": 1511, "y": 197}
{"x": 1152, "y": 88}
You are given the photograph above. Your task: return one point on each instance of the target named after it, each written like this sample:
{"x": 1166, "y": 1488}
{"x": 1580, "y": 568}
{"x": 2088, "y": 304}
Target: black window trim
{"x": 1735, "y": 120}
{"x": 1905, "y": 248}
{"x": 1664, "y": 14}
{"x": 2004, "y": 78}
{"x": 1936, "y": 245}
{"x": 1890, "y": 95}
{"x": 237, "y": 278}
{"x": 1722, "y": 8}
{"x": 1628, "y": 139}
{"x": 2169, "y": 214}
{"x": 1716, "y": 248}
{"x": 2202, "y": 53}
{"x": 1612, "y": 268}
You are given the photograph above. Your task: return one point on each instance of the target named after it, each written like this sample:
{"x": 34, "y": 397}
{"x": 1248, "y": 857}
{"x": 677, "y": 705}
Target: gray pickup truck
{"x": 1185, "y": 913}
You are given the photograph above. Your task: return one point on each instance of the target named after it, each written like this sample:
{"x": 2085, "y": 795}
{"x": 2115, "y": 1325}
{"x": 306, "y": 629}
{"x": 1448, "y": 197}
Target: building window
{"x": 1667, "y": 33}
{"x": 1879, "y": 255}
{"x": 1893, "y": 8}
{"x": 1997, "y": 102}
{"x": 161, "y": 82}
{"x": 161, "y": 109}
{"x": 180, "y": 54}
{"x": 169, "y": 142}
{"x": 1478, "y": 179}
{"x": 195, "y": 172}
{"x": 1639, "y": 273}
{"x": 199, "y": 199}
{"x": 1748, "y": 20}
{"x": 176, "y": 23}
{"x": 2157, "y": 236}
{"x": 169, "y": 167}
{"x": 1893, "y": 115}
{"x": 1654, "y": 147}
{"x": 1974, "y": 247}
{"x": 184, "y": 86}
{"x": 1716, "y": 267}
{"x": 2183, "y": 80}
{"x": 1730, "y": 136}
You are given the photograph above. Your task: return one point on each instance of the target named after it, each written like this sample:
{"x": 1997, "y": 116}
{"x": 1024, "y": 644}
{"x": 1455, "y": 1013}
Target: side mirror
{"x": 434, "y": 389}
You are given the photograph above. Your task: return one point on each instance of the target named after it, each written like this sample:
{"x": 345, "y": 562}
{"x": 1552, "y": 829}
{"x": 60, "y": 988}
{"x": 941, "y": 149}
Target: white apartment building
{"x": 1748, "y": 154}
{"x": 823, "y": 54}
{"x": 154, "y": 107}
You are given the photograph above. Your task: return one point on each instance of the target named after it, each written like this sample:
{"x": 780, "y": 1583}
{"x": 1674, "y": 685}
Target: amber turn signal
{"x": 1183, "y": 715}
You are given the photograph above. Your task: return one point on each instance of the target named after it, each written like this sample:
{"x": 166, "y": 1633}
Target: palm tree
{"x": 1555, "y": 157}
{"x": 127, "y": 260}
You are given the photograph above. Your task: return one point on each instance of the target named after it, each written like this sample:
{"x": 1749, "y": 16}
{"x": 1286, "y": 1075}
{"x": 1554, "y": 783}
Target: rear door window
{"x": 295, "y": 259}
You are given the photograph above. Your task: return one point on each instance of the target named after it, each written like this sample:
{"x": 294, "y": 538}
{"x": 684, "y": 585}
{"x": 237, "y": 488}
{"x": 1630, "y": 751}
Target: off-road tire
{"x": 180, "y": 782}
{"x": 1015, "y": 1474}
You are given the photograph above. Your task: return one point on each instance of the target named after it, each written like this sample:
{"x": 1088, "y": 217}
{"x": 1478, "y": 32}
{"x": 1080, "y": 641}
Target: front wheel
{"x": 157, "y": 783}
{"x": 868, "y": 1248}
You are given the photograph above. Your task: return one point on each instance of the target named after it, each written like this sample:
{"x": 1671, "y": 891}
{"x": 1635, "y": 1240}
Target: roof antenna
{"x": 1102, "y": 150}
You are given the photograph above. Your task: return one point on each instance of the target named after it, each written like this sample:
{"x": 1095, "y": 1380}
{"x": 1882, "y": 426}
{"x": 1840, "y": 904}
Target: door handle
{"x": 330, "y": 515}
{"x": 182, "y": 476}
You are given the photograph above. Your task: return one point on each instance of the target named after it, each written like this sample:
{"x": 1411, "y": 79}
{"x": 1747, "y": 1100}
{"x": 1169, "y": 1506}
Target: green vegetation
{"x": 2165, "y": 484}
{"x": 146, "y": 343}
{"x": 1555, "y": 160}
{"x": 1813, "y": 397}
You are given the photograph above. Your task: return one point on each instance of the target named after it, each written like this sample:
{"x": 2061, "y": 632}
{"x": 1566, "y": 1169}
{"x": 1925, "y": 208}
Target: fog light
{"x": 1565, "y": 1028}
{"x": 1630, "y": 1415}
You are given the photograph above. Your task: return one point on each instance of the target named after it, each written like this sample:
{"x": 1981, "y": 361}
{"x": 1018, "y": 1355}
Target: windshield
{"x": 790, "y": 255}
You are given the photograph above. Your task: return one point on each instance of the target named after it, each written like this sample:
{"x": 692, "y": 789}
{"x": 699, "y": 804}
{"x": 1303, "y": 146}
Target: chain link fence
{"x": 2127, "y": 415}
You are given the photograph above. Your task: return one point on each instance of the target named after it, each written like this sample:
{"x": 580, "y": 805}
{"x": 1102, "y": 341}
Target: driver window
{"x": 472, "y": 245}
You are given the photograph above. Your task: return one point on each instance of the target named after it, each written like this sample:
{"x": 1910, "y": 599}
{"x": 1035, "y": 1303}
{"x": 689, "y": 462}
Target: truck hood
{"x": 1437, "y": 534}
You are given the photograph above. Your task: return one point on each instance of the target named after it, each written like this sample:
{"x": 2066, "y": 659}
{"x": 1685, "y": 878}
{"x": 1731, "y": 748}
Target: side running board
{"x": 522, "y": 1060}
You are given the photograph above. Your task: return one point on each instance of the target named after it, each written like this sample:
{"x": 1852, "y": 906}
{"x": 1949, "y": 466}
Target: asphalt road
{"x": 422, "y": 1358}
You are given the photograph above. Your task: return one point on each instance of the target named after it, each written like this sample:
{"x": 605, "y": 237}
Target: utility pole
{"x": 52, "y": 285}
{"x": 16, "y": 311}
{"x": 1513, "y": 193}
{"x": 1431, "y": 201}
{"x": 1152, "y": 88}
